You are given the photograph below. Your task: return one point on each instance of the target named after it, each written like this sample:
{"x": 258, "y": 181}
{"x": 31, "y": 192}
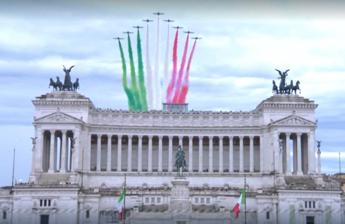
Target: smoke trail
{"x": 180, "y": 74}
{"x": 124, "y": 80}
{"x": 156, "y": 91}
{"x": 185, "y": 84}
{"x": 142, "y": 88}
{"x": 166, "y": 64}
{"x": 134, "y": 88}
{"x": 171, "y": 85}
{"x": 148, "y": 71}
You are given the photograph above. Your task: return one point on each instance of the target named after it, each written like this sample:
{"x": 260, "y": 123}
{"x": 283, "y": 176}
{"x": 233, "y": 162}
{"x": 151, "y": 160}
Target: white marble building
{"x": 81, "y": 153}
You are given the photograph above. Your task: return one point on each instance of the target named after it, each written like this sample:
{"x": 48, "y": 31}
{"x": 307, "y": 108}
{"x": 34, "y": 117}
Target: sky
{"x": 233, "y": 67}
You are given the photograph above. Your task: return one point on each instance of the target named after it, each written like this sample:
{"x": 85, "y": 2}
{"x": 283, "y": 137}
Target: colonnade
{"x": 57, "y": 150}
{"x": 296, "y": 153}
{"x": 150, "y": 153}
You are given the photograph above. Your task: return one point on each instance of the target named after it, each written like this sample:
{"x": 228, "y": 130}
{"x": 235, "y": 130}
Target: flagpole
{"x": 245, "y": 199}
{"x": 124, "y": 203}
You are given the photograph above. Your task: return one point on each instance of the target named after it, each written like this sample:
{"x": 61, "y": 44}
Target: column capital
{"x": 231, "y": 137}
{"x": 99, "y": 135}
{"x": 109, "y": 135}
{"x": 190, "y": 137}
{"x": 129, "y": 136}
{"x": 52, "y": 131}
{"x": 119, "y": 135}
{"x": 251, "y": 137}
{"x": 220, "y": 137}
{"x": 160, "y": 137}
{"x": 299, "y": 134}
{"x": 241, "y": 137}
{"x": 63, "y": 131}
{"x": 170, "y": 137}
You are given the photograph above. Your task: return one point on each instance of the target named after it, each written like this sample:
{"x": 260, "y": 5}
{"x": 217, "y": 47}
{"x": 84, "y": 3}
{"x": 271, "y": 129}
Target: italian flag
{"x": 120, "y": 205}
{"x": 237, "y": 207}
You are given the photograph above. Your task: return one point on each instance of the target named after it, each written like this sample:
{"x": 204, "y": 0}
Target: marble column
{"x": 200, "y": 154}
{"x": 276, "y": 152}
{"x": 109, "y": 154}
{"x": 190, "y": 154}
{"x": 52, "y": 152}
{"x": 318, "y": 161}
{"x": 129, "y": 157}
{"x": 261, "y": 154}
{"x": 170, "y": 154}
{"x": 150, "y": 155}
{"x": 210, "y": 154}
{"x": 287, "y": 151}
{"x": 221, "y": 154}
{"x": 76, "y": 151}
{"x": 311, "y": 153}
{"x": 99, "y": 143}
{"x": 119, "y": 153}
{"x": 140, "y": 153}
{"x": 160, "y": 153}
{"x": 231, "y": 155}
{"x": 241, "y": 154}
{"x": 251, "y": 154}
{"x": 299, "y": 154}
{"x": 63, "y": 152}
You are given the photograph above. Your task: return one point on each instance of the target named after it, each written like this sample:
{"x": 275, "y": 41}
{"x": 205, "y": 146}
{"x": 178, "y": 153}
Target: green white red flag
{"x": 241, "y": 201}
{"x": 120, "y": 204}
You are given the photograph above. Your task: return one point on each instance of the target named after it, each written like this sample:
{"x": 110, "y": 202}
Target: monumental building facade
{"x": 82, "y": 154}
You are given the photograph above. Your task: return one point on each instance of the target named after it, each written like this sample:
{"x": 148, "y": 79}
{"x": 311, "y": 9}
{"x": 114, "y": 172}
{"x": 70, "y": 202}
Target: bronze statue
{"x": 275, "y": 87}
{"x": 282, "y": 78}
{"x": 296, "y": 87}
{"x": 180, "y": 162}
{"x": 67, "y": 85}
{"x": 76, "y": 84}
{"x": 58, "y": 83}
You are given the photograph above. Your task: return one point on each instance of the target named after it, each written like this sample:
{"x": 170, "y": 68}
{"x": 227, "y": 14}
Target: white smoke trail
{"x": 156, "y": 90}
{"x": 166, "y": 64}
{"x": 150, "y": 103}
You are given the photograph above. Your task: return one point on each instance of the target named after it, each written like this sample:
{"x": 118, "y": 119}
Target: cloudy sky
{"x": 242, "y": 43}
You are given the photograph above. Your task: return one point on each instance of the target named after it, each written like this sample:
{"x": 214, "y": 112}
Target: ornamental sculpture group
{"x": 283, "y": 88}
{"x": 67, "y": 85}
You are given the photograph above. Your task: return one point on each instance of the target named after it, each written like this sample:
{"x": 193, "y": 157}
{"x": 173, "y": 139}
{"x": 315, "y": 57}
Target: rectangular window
{"x": 147, "y": 200}
{"x": 208, "y": 200}
{"x": 158, "y": 200}
{"x": 152, "y": 200}
{"x": 313, "y": 204}
{"x": 41, "y": 203}
{"x": 309, "y": 204}
{"x": 196, "y": 200}
{"x": 45, "y": 203}
{"x": 202, "y": 200}
{"x": 310, "y": 220}
{"x": 267, "y": 215}
{"x": 4, "y": 215}
{"x": 305, "y": 204}
{"x": 87, "y": 214}
{"x": 49, "y": 202}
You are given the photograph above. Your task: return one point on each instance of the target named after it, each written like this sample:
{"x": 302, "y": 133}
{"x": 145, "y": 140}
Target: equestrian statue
{"x": 283, "y": 88}
{"x": 180, "y": 161}
{"x": 67, "y": 85}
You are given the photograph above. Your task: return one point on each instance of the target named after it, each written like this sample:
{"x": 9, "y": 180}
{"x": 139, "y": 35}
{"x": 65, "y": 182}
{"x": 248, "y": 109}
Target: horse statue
{"x": 275, "y": 87}
{"x": 58, "y": 83}
{"x": 288, "y": 88}
{"x": 53, "y": 84}
{"x": 180, "y": 161}
{"x": 68, "y": 85}
{"x": 76, "y": 84}
{"x": 282, "y": 78}
{"x": 296, "y": 87}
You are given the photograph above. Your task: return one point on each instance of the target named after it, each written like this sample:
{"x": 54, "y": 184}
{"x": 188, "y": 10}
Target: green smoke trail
{"x": 134, "y": 87}
{"x": 142, "y": 88}
{"x": 131, "y": 101}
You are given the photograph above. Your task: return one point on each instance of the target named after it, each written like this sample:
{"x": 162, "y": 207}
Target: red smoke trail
{"x": 180, "y": 74}
{"x": 174, "y": 71}
{"x": 185, "y": 84}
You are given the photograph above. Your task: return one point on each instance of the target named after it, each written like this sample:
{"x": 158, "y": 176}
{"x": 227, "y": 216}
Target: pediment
{"x": 293, "y": 120}
{"x": 58, "y": 118}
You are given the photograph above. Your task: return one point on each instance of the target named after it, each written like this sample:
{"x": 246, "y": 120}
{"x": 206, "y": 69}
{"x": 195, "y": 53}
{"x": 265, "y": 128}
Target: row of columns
{"x": 170, "y": 153}
{"x": 53, "y": 148}
{"x": 298, "y": 147}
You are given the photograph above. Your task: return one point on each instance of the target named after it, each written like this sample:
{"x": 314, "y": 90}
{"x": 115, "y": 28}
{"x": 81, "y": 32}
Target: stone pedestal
{"x": 180, "y": 205}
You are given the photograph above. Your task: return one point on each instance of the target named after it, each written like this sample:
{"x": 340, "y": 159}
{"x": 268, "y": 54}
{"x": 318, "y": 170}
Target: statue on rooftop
{"x": 283, "y": 88}
{"x": 67, "y": 85}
